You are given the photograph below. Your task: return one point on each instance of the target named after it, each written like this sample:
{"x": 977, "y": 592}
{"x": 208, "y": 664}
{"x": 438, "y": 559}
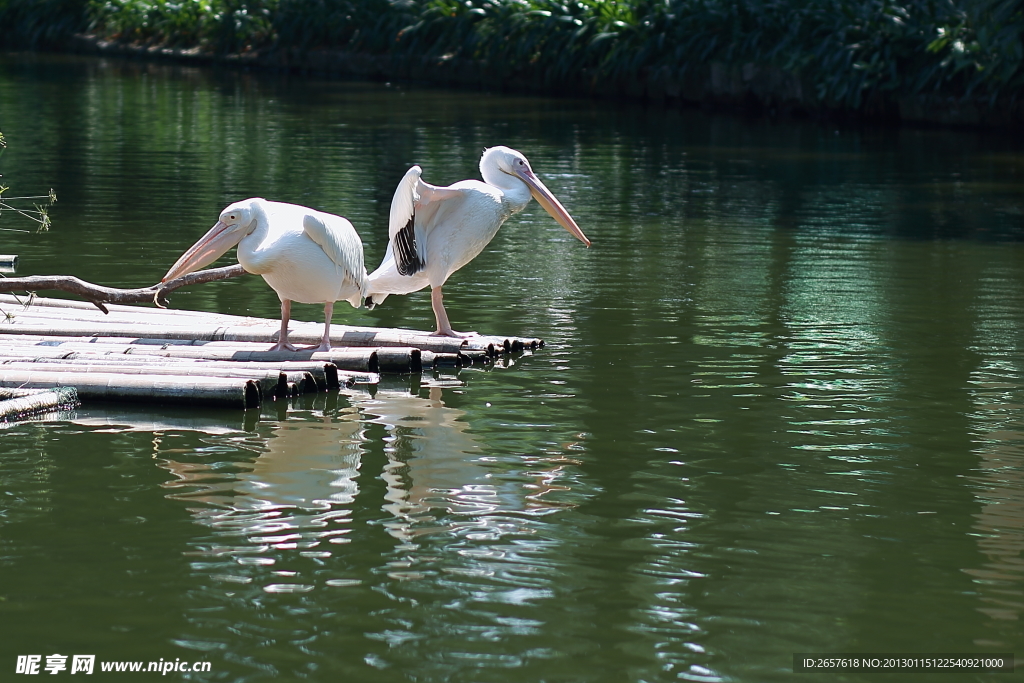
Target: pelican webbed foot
{"x": 324, "y": 346}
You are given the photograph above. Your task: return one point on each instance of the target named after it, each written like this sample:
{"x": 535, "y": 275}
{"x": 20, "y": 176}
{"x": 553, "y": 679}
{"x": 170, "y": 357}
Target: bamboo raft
{"x": 17, "y": 404}
{"x": 140, "y": 354}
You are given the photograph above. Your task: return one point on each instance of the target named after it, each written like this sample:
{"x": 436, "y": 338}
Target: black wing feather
{"x": 406, "y": 254}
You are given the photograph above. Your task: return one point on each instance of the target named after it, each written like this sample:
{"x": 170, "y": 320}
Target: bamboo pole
{"x": 450, "y": 360}
{"x": 358, "y": 360}
{"x": 303, "y": 382}
{"x": 469, "y": 357}
{"x": 119, "y": 344}
{"x": 6, "y": 393}
{"x": 217, "y": 391}
{"x": 392, "y": 359}
{"x": 270, "y": 382}
{"x": 348, "y": 378}
{"x": 353, "y": 359}
{"x": 305, "y": 332}
{"x": 38, "y": 402}
{"x": 23, "y": 351}
{"x": 54, "y": 340}
{"x": 362, "y": 360}
{"x": 263, "y": 333}
{"x": 326, "y": 374}
{"x": 272, "y": 379}
{"x": 214, "y": 334}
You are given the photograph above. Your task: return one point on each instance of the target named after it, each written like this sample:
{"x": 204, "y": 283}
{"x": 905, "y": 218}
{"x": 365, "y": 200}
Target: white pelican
{"x": 305, "y": 255}
{"x": 434, "y": 230}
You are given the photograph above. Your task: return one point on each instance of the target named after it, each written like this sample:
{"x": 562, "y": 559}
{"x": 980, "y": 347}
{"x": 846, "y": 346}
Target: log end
{"x": 251, "y": 393}
{"x": 331, "y": 375}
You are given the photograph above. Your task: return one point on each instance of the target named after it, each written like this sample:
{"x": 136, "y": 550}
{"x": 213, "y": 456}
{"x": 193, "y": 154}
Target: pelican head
{"x": 236, "y": 221}
{"x": 510, "y": 162}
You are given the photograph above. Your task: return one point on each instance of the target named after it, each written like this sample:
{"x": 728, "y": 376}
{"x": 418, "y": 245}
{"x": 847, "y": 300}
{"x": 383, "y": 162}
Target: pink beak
{"x": 208, "y": 249}
{"x": 551, "y": 204}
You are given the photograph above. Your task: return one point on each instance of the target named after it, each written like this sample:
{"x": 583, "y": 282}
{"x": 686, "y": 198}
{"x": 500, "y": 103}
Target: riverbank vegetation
{"x": 847, "y": 54}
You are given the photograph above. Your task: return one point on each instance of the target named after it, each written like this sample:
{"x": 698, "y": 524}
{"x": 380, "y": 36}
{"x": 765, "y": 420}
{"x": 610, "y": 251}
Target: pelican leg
{"x": 444, "y": 328}
{"x": 282, "y": 340}
{"x": 325, "y": 343}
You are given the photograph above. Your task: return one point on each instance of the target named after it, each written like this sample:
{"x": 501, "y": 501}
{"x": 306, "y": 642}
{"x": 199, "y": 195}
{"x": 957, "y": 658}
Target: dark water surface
{"x": 780, "y": 409}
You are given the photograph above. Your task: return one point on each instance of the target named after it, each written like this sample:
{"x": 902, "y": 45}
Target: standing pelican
{"x": 434, "y": 230}
{"x": 305, "y": 255}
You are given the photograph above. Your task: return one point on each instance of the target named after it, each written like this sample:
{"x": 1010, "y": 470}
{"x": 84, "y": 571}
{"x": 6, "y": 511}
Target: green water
{"x": 780, "y": 408}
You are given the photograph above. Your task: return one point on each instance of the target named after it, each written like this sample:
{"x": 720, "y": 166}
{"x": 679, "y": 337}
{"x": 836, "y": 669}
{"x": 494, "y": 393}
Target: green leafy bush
{"x": 29, "y": 23}
{"x": 851, "y": 51}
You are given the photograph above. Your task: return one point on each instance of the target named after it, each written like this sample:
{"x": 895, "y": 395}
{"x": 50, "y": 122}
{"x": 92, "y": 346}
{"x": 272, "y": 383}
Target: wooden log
{"x": 38, "y": 303}
{"x": 8, "y": 263}
{"x": 270, "y": 382}
{"x": 62, "y": 398}
{"x": 224, "y": 392}
{"x": 100, "y": 295}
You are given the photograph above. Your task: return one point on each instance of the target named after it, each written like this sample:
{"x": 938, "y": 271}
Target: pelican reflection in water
{"x": 299, "y": 490}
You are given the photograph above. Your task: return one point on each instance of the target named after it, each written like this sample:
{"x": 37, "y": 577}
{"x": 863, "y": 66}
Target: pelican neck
{"x": 515, "y": 191}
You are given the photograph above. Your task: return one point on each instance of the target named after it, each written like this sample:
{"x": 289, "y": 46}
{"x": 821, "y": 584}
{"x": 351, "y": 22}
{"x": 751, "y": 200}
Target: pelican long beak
{"x": 551, "y": 204}
{"x": 208, "y": 249}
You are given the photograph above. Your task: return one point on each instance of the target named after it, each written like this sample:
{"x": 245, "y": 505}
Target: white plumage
{"x": 434, "y": 231}
{"x": 304, "y": 255}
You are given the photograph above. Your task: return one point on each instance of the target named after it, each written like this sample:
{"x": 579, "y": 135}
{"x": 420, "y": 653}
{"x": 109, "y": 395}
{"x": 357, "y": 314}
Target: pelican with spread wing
{"x": 434, "y": 230}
